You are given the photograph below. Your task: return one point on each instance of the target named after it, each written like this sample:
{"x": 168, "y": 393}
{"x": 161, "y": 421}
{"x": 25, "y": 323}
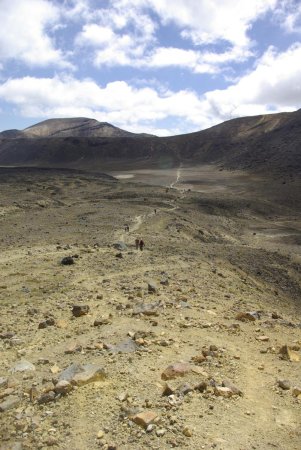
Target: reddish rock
{"x": 145, "y": 418}
{"x": 176, "y": 370}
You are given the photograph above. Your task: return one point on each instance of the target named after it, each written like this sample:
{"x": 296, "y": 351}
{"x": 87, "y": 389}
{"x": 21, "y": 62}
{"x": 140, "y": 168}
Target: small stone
{"x": 99, "y": 322}
{"x": 100, "y": 434}
{"x": 78, "y": 374}
{"x": 199, "y": 359}
{"x": 152, "y": 287}
{"x": 147, "y": 309}
{"x": 262, "y": 338}
{"x": 284, "y": 384}
{"x": 73, "y": 348}
{"x": 168, "y": 389}
{"x": 63, "y": 387}
{"x": 184, "y": 389}
{"x": 160, "y": 432}
{"x": 297, "y": 391}
{"x": 201, "y": 387}
{"x": 46, "y": 398}
{"x": 247, "y": 316}
{"x": 33, "y": 394}
{"x": 62, "y": 324}
{"x": 287, "y": 353}
{"x": 176, "y": 370}
{"x": 55, "y": 369}
{"x": 187, "y": 432}
{"x": 67, "y": 261}
{"x": 230, "y": 385}
{"x": 145, "y": 418}
{"x": 222, "y": 391}
{"x": 10, "y": 403}
{"x": 23, "y": 366}
{"x": 3, "y": 382}
{"x": 80, "y": 310}
{"x": 126, "y": 346}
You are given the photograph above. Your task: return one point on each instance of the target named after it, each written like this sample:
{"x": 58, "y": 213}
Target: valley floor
{"x": 216, "y": 289}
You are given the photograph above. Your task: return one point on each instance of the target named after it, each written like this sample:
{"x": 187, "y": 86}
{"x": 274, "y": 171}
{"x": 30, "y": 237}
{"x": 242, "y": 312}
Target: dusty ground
{"x": 222, "y": 248}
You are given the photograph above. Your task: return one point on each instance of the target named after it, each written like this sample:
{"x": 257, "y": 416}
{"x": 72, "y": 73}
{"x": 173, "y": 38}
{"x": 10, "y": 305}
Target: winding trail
{"x": 173, "y": 184}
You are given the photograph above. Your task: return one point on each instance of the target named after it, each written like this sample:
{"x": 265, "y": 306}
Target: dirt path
{"x": 173, "y": 184}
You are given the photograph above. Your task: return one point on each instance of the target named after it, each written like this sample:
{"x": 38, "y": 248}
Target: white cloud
{"x": 196, "y": 61}
{"x": 123, "y": 33}
{"x": 23, "y": 32}
{"x": 208, "y": 21}
{"x": 288, "y": 14}
{"x": 273, "y": 85}
{"x": 117, "y": 102}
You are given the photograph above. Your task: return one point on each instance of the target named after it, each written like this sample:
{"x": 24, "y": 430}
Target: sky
{"x": 164, "y": 67}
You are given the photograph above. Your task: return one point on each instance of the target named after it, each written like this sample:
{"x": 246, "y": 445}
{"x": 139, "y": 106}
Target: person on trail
{"x": 155, "y": 211}
{"x": 137, "y": 241}
{"x": 126, "y": 228}
{"x": 141, "y": 244}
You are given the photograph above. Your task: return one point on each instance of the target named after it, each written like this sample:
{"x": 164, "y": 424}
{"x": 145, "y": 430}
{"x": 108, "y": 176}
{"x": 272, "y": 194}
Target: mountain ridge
{"x": 270, "y": 143}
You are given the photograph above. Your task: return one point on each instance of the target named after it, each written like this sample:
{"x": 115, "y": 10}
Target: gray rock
{"x": 152, "y": 287}
{"x": 284, "y": 384}
{"x": 78, "y": 374}
{"x": 67, "y": 261}
{"x": 3, "y": 382}
{"x": 10, "y": 403}
{"x": 23, "y": 366}
{"x": 63, "y": 387}
{"x": 46, "y": 398}
{"x": 126, "y": 346}
{"x": 121, "y": 246}
{"x": 80, "y": 310}
{"x": 228, "y": 384}
{"x": 147, "y": 309}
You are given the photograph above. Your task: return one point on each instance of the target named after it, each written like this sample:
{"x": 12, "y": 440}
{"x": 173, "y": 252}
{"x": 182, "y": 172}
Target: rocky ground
{"x": 193, "y": 342}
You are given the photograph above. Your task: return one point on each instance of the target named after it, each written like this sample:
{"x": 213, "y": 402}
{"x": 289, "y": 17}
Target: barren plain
{"x": 193, "y": 342}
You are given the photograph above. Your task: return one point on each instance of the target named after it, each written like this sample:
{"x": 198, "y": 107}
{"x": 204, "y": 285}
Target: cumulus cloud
{"x": 23, "y": 32}
{"x": 288, "y": 13}
{"x": 117, "y": 102}
{"x": 273, "y": 85}
{"x": 207, "y": 21}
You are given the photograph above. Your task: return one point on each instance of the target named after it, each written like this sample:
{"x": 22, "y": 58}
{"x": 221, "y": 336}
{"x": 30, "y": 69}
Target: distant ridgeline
{"x": 269, "y": 143}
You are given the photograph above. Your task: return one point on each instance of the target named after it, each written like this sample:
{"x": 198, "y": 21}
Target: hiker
{"x": 141, "y": 244}
{"x": 155, "y": 211}
{"x": 126, "y": 228}
{"x": 137, "y": 241}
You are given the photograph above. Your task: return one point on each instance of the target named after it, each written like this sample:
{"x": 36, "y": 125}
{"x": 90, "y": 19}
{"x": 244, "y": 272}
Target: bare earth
{"x": 217, "y": 244}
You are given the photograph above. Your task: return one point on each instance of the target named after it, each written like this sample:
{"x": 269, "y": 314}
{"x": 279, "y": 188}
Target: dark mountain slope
{"x": 269, "y": 143}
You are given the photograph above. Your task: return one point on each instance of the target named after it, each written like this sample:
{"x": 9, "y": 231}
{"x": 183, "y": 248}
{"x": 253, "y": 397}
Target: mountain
{"x": 74, "y": 127}
{"x": 268, "y": 143}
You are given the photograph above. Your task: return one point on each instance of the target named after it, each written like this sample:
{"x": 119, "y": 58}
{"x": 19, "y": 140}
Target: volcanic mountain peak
{"x": 74, "y": 127}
